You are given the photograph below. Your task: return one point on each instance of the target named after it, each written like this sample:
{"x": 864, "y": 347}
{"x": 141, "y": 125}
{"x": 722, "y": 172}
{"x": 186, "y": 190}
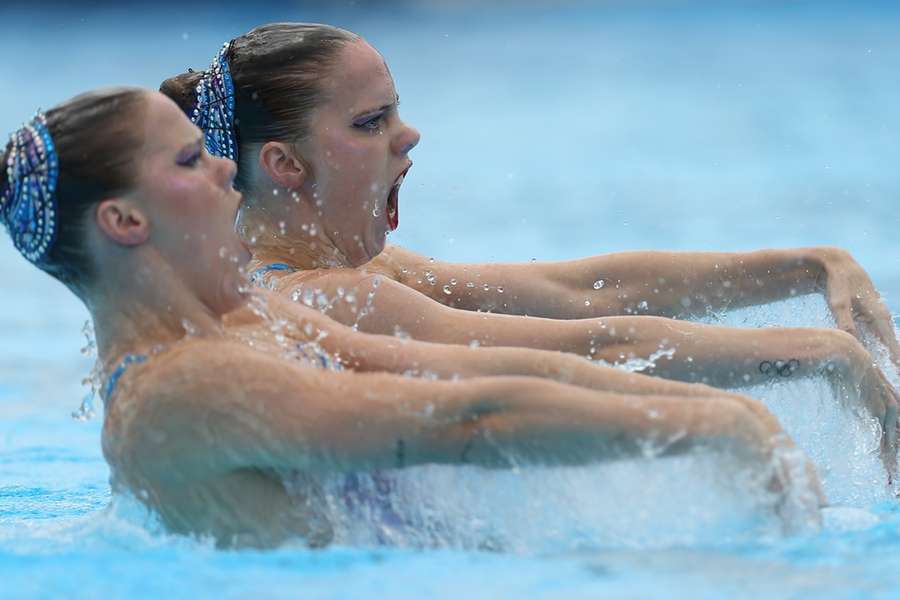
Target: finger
{"x": 890, "y": 425}
{"x": 877, "y": 318}
{"x": 842, "y": 309}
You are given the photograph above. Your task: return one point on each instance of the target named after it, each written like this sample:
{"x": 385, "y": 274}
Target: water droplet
{"x": 470, "y": 285}
{"x": 87, "y": 330}
{"x": 453, "y": 282}
{"x": 188, "y": 326}
{"x": 447, "y": 290}
{"x": 430, "y": 278}
{"x": 222, "y": 252}
{"x": 587, "y": 302}
{"x": 274, "y": 191}
{"x": 375, "y": 212}
{"x": 282, "y": 227}
{"x": 499, "y": 289}
{"x": 599, "y": 284}
{"x": 474, "y": 344}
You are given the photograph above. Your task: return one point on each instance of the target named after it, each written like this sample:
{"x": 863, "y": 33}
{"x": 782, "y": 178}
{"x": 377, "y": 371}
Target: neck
{"x": 142, "y": 305}
{"x": 294, "y": 236}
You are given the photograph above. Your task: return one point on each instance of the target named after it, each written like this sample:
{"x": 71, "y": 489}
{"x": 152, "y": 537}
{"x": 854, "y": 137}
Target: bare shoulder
{"x": 185, "y": 401}
{"x": 396, "y": 262}
{"x": 338, "y": 284}
{"x": 183, "y": 377}
{"x": 328, "y": 280}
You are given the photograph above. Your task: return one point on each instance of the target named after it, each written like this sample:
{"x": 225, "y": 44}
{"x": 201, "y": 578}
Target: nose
{"x": 406, "y": 140}
{"x": 228, "y": 168}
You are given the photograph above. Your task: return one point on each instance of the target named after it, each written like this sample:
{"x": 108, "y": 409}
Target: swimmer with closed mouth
{"x": 216, "y": 396}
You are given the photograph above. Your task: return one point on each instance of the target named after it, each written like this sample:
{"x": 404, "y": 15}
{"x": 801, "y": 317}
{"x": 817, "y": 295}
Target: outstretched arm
{"x": 685, "y": 351}
{"x": 363, "y": 352}
{"x": 227, "y": 407}
{"x": 672, "y": 284}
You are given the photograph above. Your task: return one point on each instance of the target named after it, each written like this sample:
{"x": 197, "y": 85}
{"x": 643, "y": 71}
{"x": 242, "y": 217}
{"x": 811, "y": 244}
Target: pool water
{"x": 549, "y": 130}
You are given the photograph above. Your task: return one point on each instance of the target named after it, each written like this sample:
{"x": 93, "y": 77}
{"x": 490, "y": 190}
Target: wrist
{"x": 819, "y": 261}
{"x": 844, "y": 354}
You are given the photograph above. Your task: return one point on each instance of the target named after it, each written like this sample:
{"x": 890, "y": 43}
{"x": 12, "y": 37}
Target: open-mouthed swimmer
{"x": 310, "y": 112}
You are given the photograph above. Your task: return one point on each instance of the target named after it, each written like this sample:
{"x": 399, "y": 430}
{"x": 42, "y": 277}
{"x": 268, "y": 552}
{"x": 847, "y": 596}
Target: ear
{"x": 279, "y": 162}
{"x": 122, "y": 222}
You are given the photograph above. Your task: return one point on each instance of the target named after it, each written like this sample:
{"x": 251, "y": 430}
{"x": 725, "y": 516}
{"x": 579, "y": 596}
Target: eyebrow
{"x": 380, "y": 108}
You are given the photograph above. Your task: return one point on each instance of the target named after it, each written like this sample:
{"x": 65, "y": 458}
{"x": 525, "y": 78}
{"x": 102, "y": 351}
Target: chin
{"x": 231, "y": 295}
{"x": 357, "y": 257}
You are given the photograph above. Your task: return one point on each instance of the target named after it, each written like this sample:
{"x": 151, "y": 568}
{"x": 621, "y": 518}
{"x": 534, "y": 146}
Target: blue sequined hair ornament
{"x": 214, "y": 107}
{"x": 28, "y": 198}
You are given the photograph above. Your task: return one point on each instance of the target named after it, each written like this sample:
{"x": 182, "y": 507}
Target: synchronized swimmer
{"x": 217, "y": 394}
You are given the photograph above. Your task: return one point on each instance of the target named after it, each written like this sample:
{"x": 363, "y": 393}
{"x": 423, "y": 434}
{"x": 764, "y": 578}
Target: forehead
{"x": 359, "y": 79}
{"x": 165, "y": 125}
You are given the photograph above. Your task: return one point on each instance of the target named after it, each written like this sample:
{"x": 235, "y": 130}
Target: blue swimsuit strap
{"x": 120, "y": 370}
{"x": 257, "y": 274}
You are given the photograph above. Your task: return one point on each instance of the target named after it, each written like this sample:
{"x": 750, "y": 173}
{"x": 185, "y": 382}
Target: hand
{"x": 854, "y": 373}
{"x": 852, "y": 297}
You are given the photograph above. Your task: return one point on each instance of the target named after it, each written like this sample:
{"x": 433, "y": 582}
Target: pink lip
{"x": 392, "y": 213}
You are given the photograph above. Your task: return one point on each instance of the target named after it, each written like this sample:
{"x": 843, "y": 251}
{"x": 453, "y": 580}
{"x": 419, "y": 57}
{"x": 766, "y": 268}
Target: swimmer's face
{"x": 191, "y": 205}
{"x": 357, "y": 154}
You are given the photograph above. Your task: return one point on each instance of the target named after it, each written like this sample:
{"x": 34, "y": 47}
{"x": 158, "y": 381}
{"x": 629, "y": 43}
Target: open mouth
{"x": 393, "y": 201}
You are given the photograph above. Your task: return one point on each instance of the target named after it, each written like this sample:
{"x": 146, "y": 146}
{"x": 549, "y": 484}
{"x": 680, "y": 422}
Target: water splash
{"x": 638, "y": 364}
{"x": 93, "y": 380}
{"x": 639, "y": 503}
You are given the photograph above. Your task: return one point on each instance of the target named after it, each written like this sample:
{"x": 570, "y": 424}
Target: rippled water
{"x": 548, "y": 131}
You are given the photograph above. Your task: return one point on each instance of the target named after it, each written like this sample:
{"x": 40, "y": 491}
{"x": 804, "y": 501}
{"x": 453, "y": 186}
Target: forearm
{"x": 654, "y": 283}
{"x": 375, "y": 353}
{"x": 725, "y": 356}
{"x": 680, "y": 283}
{"x": 499, "y": 422}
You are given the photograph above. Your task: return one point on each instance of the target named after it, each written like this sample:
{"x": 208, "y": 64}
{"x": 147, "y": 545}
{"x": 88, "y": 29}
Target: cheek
{"x": 186, "y": 197}
{"x": 350, "y": 154}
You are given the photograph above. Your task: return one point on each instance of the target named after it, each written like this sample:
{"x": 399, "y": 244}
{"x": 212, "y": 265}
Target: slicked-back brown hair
{"x": 277, "y": 71}
{"x": 96, "y": 142}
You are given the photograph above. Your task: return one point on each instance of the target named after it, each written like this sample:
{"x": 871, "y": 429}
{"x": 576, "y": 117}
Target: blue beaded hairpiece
{"x": 28, "y": 199}
{"x": 214, "y": 107}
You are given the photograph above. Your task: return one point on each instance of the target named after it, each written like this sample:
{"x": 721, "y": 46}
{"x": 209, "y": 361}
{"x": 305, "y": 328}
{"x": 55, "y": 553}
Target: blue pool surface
{"x": 550, "y": 130}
